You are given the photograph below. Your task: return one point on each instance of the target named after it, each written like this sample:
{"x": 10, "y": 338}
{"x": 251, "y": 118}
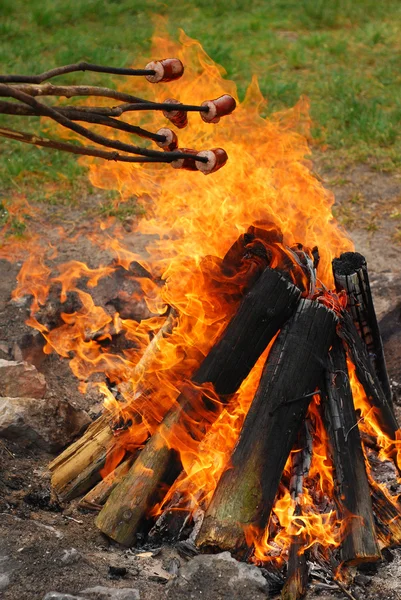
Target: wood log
{"x": 358, "y": 353}
{"x": 297, "y": 569}
{"x": 77, "y": 469}
{"x": 246, "y": 491}
{"x": 96, "y": 498}
{"x": 352, "y": 494}
{"x": 297, "y": 566}
{"x": 351, "y": 274}
{"x": 262, "y": 312}
{"x": 387, "y": 515}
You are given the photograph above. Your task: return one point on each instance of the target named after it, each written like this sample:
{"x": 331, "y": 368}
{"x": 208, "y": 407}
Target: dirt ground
{"x": 47, "y": 547}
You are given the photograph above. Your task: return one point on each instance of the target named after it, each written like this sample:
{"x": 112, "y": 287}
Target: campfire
{"x": 245, "y": 412}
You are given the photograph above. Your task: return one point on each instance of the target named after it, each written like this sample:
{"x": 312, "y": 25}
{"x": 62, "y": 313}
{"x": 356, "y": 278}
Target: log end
{"x": 218, "y": 536}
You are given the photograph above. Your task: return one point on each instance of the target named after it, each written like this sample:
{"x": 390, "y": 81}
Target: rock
{"x": 48, "y": 424}
{"x": 214, "y": 575}
{"x": 30, "y": 349}
{"x": 4, "y": 581}
{"x": 21, "y": 380}
{"x": 70, "y": 556}
{"x": 104, "y": 593}
{"x": 61, "y": 596}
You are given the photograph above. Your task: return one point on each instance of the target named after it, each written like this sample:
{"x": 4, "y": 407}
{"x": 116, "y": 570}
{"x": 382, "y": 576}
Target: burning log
{"x": 76, "y": 470}
{"x": 352, "y": 492}
{"x": 351, "y": 274}
{"x": 245, "y": 494}
{"x": 262, "y": 312}
{"x": 387, "y": 515}
{"x": 357, "y": 351}
{"x": 297, "y": 570}
{"x": 96, "y": 498}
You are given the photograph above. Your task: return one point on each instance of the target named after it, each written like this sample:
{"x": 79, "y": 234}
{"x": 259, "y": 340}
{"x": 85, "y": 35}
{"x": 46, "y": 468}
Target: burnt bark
{"x": 246, "y": 491}
{"x": 297, "y": 570}
{"x": 358, "y": 353}
{"x": 351, "y": 274}
{"x": 352, "y": 492}
{"x": 262, "y": 312}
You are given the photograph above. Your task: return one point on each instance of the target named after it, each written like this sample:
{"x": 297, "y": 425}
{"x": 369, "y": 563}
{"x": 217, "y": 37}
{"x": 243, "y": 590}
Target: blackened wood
{"x": 262, "y": 312}
{"x": 352, "y": 494}
{"x": 357, "y": 351}
{"x": 387, "y": 516}
{"x": 297, "y": 570}
{"x": 351, "y": 274}
{"x": 301, "y": 461}
{"x": 246, "y": 491}
{"x": 297, "y": 567}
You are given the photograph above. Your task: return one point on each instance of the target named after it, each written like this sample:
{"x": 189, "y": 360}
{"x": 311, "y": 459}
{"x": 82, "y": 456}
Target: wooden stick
{"x": 35, "y": 140}
{"x": 47, "y": 111}
{"x": 69, "y": 91}
{"x": 88, "y": 116}
{"x": 261, "y": 313}
{"x": 73, "y": 68}
{"x": 352, "y": 492}
{"x": 351, "y": 274}
{"x": 246, "y": 491}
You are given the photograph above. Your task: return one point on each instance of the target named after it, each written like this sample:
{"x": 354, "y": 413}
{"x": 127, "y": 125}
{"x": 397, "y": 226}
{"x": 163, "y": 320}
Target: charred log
{"x": 351, "y": 274}
{"x": 297, "y": 569}
{"x": 357, "y": 351}
{"x": 387, "y": 515}
{"x": 352, "y": 493}
{"x": 262, "y": 312}
{"x": 246, "y": 491}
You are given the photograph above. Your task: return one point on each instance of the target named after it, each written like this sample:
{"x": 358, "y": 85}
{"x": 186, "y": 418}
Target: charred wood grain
{"x": 246, "y": 491}
{"x": 297, "y": 569}
{"x": 352, "y": 492}
{"x": 351, "y": 274}
{"x": 365, "y": 372}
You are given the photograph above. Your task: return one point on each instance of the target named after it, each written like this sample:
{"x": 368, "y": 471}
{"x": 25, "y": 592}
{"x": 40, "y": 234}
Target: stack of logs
{"x": 314, "y": 334}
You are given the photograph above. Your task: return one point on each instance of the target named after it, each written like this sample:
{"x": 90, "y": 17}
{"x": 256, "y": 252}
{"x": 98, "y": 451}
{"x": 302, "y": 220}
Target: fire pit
{"x": 246, "y": 411}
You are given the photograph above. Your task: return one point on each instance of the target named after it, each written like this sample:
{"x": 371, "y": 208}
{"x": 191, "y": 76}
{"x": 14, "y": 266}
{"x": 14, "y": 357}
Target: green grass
{"x": 343, "y": 54}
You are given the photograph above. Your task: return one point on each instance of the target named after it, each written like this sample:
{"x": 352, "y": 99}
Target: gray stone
{"x": 218, "y": 575}
{"x": 21, "y": 380}
{"x": 48, "y": 424}
{"x": 104, "y": 593}
{"x": 101, "y": 592}
{"x": 61, "y": 596}
{"x": 4, "y": 581}
{"x": 70, "y": 556}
